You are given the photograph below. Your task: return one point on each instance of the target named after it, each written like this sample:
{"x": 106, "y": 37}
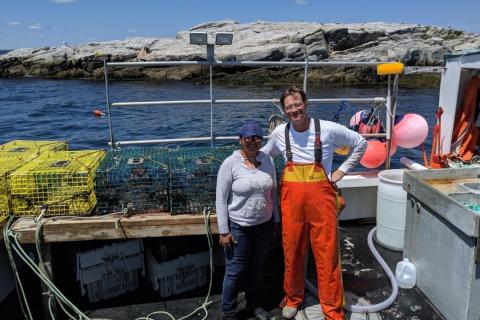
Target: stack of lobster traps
{"x": 60, "y": 182}
{"x": 15, "y": 154}
{"x": 41, "y": 176}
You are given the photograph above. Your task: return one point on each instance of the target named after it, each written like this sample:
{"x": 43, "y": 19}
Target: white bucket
{"x": 391, "y": 209}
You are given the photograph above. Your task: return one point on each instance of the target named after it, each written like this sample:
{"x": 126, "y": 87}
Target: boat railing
{"x": 388, "y": 102}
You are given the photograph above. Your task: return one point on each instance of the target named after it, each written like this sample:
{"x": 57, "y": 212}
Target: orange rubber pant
{"x": 310, "y": 205}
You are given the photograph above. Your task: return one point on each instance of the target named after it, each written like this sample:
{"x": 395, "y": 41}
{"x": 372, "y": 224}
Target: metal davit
{"x": 389, "y": 102}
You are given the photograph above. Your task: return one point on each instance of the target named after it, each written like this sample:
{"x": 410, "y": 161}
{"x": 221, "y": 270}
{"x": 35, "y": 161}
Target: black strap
{"x": 287, "y": 143}
{"x": 318, "y": 142}
{"x": 317, "y": 145}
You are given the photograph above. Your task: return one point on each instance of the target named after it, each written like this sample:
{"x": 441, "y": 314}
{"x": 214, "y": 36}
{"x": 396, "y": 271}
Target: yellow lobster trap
{"x": 29, "y": 148}
{"x": 61, "y": 182}
{"x": 15, "y": 154}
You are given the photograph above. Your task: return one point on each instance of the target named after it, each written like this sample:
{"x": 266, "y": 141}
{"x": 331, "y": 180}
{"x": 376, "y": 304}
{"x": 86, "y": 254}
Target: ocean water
{"x": 40, "y": 109}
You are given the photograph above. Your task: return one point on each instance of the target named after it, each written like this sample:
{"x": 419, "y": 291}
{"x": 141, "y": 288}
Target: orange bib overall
{"x": 310, "y": 205}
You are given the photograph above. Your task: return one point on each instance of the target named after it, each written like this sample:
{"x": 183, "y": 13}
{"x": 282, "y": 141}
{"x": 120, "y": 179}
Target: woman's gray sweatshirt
{"x": 246, "y": 196}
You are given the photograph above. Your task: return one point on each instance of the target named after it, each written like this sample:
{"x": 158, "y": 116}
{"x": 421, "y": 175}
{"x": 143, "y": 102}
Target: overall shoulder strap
{"x": 318, "y": 142}
{"x": 287, "y": 143}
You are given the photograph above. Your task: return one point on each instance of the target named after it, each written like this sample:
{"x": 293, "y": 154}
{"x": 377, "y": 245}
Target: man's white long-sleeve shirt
{"x": 333, "y": 136}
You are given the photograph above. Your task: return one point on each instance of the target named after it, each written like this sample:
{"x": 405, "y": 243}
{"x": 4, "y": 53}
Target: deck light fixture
{"x": 223, "y": 39}
{"x": 198, "y": 38}
{"x": 201, "y": 38}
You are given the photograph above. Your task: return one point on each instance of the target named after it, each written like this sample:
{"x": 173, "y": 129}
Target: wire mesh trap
{"x": 15, "y": 154}
{"x": 60, "y": 181}
{"x": 193, "y": 177}
{"x": 136, "y": 179}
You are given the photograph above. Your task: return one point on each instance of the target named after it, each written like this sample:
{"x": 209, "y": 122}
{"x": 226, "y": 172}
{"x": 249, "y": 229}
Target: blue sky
{"x": 36, "y": 23}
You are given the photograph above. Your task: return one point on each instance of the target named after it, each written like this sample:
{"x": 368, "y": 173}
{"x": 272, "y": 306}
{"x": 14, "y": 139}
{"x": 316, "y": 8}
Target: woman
{"x": 246, "y": 205}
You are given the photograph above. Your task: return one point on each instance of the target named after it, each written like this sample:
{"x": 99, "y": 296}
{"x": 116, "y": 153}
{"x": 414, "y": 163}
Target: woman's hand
{"x": 337, "y": 176}
{"x": 226, "y": 240}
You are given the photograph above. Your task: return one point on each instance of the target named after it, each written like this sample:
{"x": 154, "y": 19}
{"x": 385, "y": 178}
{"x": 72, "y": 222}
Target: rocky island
{"x": 414, "y": 45}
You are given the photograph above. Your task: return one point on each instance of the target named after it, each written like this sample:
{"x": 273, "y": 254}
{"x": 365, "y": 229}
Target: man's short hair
{"x": 290, "y": 92}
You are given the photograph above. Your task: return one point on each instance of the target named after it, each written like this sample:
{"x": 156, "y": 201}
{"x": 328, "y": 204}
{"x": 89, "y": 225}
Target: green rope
{"x": 55, "y": 293}
{"x": 22, "y": 299}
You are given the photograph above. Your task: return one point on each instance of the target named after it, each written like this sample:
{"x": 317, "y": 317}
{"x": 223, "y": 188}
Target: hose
{"x": 373, "y": 307}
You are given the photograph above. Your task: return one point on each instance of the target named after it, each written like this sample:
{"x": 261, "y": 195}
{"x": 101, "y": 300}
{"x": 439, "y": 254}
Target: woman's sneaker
{"x": 289, "y": 312}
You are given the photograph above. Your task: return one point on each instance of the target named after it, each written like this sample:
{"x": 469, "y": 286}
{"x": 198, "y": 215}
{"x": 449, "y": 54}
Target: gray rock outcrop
{"x": 258, "y": 41}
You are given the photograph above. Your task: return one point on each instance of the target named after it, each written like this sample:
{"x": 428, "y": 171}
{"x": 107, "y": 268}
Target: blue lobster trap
{"x": 136, "y": 179}
{"x": 193, "y": 177}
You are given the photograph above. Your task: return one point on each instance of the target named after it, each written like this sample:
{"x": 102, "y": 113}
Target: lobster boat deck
{"x": 364, "y": 280}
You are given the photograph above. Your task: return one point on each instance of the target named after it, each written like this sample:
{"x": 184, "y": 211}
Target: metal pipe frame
{"x": 305, "y": 76}
{"x": 246, "y": 63}
{"x": 210, "y": 62}
{"x": 388, "y": 120}
{"x": 201, "y": 139}
{"x": 210, "y": 56}
{"x": 173, "y": 140}
{"x": 230, "y": 101}
{"x": 109, "y": 105}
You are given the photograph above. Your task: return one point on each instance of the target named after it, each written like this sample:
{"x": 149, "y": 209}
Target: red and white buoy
{"x": 98, "y": 113}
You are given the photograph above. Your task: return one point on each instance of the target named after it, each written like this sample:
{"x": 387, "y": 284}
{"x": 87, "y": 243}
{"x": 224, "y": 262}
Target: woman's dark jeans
{"x": 243, "y": 264}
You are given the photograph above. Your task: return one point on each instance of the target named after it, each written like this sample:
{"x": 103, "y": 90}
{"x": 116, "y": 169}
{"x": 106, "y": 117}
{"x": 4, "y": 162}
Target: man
{"x": 309, "y": 201}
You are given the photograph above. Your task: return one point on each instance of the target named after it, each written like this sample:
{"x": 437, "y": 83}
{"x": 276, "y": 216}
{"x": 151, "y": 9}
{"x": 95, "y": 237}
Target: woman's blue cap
{"x": 251, "y": 129}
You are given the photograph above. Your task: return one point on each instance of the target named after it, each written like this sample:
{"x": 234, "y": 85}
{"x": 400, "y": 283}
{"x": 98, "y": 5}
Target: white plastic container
{"x": 391, "y": 209}
{"x": 406, "y": 274}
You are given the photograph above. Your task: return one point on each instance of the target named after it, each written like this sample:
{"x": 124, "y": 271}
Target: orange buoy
{"x": 98, "y": 113}
{"x": 375, "y": 155}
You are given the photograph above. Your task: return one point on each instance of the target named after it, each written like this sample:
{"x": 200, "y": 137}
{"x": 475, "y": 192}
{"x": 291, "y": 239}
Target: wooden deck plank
{"x": 145, "y": 225}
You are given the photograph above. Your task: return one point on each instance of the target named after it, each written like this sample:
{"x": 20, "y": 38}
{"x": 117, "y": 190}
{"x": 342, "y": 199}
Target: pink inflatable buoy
{"x": 410, "y": 130}
{"x": 375, "y": 155}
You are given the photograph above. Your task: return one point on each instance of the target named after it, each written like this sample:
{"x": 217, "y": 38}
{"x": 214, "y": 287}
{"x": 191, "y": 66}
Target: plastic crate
{"x": 111, "y": 270}
{"x": 15, "y": 154}
{"x": 178, "y": 275}
{"x": 137, "y": 179}
{"x": 111, "y": 285}
{"x": 62, "y": 181}
{"x": 193, "y": 177}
